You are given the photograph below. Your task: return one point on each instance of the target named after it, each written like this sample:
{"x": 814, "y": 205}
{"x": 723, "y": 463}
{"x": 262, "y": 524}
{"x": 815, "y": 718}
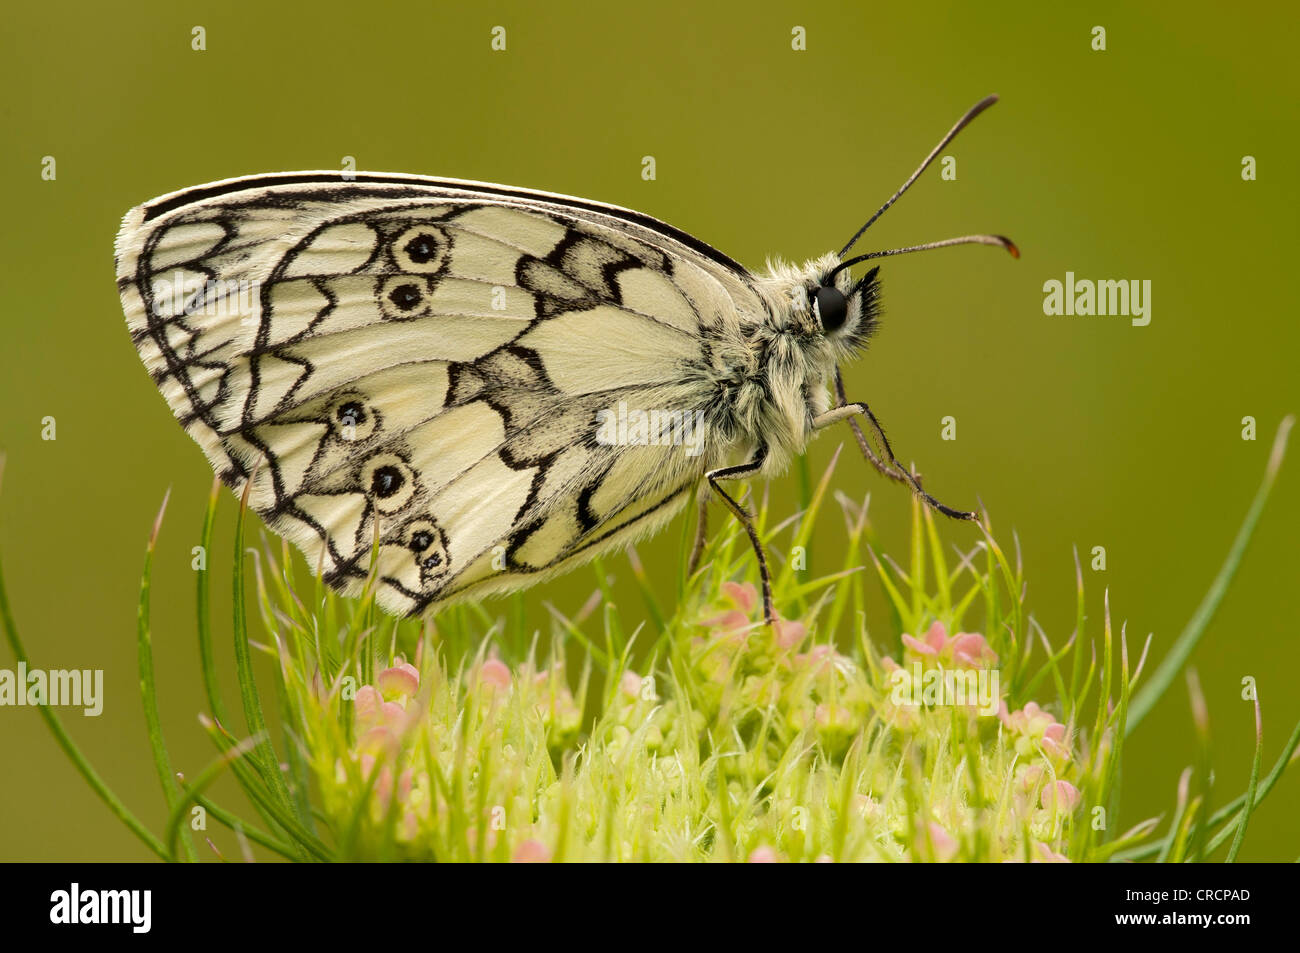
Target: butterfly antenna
{"x": 1000, "y": 240}
{"x": 962, "y": 123}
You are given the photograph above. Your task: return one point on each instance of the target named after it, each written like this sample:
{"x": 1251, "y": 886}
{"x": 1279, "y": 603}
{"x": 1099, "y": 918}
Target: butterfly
{"x": 466, "y": 388}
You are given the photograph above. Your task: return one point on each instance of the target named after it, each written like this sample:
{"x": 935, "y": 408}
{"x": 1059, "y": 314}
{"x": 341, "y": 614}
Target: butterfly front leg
{"x": 885, "y": 469}
{"x": 740, "y": 472}
{"x": 894, "y": 470}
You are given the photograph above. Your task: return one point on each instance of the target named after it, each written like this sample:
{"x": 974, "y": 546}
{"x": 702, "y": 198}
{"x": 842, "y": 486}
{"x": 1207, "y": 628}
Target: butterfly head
{"x": 817, "y": 318}
{"x": 846, "y": 312}
{"x": 831, "y": 315}
{"x": 822, "y": 314}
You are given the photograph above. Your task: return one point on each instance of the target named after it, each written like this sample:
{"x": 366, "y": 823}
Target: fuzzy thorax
{"x": 794, "y": 357}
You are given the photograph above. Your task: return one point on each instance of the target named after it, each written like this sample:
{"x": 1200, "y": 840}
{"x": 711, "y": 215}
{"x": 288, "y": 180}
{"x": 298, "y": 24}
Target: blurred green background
{"x": 1072, "y": 431}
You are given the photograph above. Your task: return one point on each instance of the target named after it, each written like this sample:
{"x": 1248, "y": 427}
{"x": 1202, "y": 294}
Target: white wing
{"x": 422, "y": 361}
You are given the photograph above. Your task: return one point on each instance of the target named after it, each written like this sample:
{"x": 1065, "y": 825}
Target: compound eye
{"x": 832, "y": 307}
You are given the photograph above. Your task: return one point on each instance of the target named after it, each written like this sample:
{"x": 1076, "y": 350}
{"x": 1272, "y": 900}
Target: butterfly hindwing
{"x": 422, "y": 365}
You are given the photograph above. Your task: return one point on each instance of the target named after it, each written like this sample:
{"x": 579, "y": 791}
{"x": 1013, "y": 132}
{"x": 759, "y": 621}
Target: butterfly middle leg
{"x": 893, "y": 469}
{"x": 746, "y": 519}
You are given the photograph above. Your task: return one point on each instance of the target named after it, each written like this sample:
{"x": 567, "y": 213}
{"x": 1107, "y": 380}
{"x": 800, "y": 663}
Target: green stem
{"x": 265, "y": 755}
{"x": 1151, "y": 693}
{"x": 149, "y": 688}
{"x": 1251, "y": 788}
{"x": 70, "y": 748}
{"x": 203, "y": 602}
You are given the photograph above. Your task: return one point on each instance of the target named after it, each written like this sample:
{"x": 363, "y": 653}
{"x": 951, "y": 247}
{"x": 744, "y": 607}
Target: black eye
{"x": 832, "y": 306}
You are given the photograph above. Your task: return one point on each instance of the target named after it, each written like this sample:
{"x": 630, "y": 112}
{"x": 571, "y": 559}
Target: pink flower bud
{"x": 919, "y": 647}
{"x": 789, "y": 633}
{"x": 729, "y": 621}
{"x": 532, "y": 852}
{"x": 1045, "y": 855}
{"x": 969, "y": 648}
{"x": 741, "y": 595}
{"x": 379, "y": 738}
{"x": 945, "y": 847}
{"x": 367, "y": 702}
{"x": 494, "y": 672}
{"x": 393, "y": 715}
{"x": 400, "y": 681}
{"x": 1065, "y": 794}
{"x": 833, "y": 716}
{"x": 819, "y": 657}
{"x": 630, "y": 684}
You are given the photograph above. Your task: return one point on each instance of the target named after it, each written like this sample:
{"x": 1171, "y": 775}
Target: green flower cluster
{"x": 750, "y": 743}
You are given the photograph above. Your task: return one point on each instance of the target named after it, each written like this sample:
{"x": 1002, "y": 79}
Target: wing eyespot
{"x": 421, "y": 249}
{"x": 403, "y": 297}
{"x": 429, "y": 548}
{"x": 351, "y": 419}
{"x": 389, "y": 482}
{"x": 386, "y": 481}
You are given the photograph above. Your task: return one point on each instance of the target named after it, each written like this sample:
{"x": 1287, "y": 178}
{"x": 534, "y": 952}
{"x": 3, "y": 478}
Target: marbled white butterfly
{"x": 484, "y": 385}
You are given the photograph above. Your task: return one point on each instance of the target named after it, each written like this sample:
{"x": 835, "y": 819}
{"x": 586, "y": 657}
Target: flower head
{"x": 963, "y": 650}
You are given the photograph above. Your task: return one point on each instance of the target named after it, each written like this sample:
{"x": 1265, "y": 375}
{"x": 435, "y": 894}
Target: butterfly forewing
{"x": 423, "y": 363}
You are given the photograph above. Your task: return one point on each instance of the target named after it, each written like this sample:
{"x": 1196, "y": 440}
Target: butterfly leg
{"x": 848, "y": 412}
{"x": 747, "y": 520}
{"x": 867, "y": 451}
{"x": 701, "y": 530}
